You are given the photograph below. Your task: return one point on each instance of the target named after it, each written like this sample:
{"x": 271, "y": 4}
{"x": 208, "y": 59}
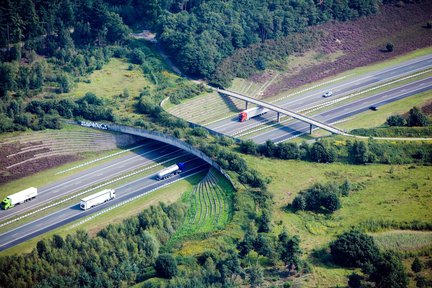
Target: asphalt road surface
{"x": 296, "y": 128}
{"x": 151, "y": 152}
{"x": 72, "y": 213}
{"x": 314, "y": 97}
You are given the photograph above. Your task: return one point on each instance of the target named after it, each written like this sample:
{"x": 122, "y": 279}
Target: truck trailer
{"x": 170, "y": 171}
{"x": 97, "y": 198}
{"x": 19, "y": 197}
{"x": 252, "y": 112}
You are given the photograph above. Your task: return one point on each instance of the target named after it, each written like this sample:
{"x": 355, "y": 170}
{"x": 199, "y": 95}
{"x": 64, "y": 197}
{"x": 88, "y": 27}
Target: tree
{"x": 290, "y": 252}
{"x": 354, "y": 281}
{"x": 396, "y": 120}
{"x": 345, "y": 187}
{"x": 64, "y": 83}
{"x": 358, "y": 152}
{"x": 323, "y": 153}
{"x": 416, "y": 266}
{"x": 299, "y": 203}
{"x": 264, "y": 221}
{"x": 287, "y": 151}
{"x": 354, "y": 249}
{"x": 389, "y": 271}
{"x": 268, "y": 148}
{"x": 389, "y": 47}
{"x": 256, "y": 275}
{"x": 417, "y": 118}
{"x": 249, "y": 147}
{"x": 331, "y": 202}
{"x": 166, "y": 266}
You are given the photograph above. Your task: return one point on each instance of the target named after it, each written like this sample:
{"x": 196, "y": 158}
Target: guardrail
{"x": 161, "y": 137}
{"x": 283, "y": 111}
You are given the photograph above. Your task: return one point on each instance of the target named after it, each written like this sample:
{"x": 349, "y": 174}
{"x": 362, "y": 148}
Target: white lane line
{"x": 102, "y": 158}
{"x": 107, "y": 167}
{"x": 329, "y": 103}
{"x": 129, "y": 200}
{"x": 89, "y": 190}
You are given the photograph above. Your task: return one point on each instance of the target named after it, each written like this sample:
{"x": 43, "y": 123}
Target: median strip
{"x": 127, "y": 201}
{"x": 88, "y": 190}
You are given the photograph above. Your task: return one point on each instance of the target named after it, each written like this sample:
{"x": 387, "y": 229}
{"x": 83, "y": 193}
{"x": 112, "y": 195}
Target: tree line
{"x": 354, "y": 152}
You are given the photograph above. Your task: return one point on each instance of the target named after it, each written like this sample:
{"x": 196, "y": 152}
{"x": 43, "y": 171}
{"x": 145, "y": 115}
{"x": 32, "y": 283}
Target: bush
{"x": 417, "y": 118}
{"x": 388, "y": 271}
{"x": 322, "y": 153}
{"x": 166, "y": 266}
{"x": 354, "y": 249}
{"x": 390, "y": 47}
{"x": 396, "y": 120}
{"x": 416, "y": 265}
{"x": 318, "y": 198}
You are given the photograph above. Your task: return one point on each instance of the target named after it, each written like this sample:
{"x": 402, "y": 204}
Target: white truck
{"x": 19, "y": 197}
{"x": 171, "y": 170}
{"x": 97, "y": 198}
{"x": 252, "y": 112}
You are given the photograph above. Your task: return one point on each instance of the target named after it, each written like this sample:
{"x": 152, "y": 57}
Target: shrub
{"x": 390, "y": 47}
{"x": 354, "y": 249}
{"x": 417, "y": 118}
{"x": 166, "y": 266}
{"x": 416, "y": 265}
{"x": 396, "y": 120}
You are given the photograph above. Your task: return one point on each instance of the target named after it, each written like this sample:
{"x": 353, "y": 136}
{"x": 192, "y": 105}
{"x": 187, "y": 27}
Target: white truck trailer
{"x": 97, "y": 198}
{"x": 171, "y": 170}
{"x": 19, "y": 197}
{"x": 252, "y": 112}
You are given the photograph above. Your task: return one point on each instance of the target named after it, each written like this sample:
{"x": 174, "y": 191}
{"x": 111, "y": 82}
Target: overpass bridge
{"x": 283, "y": 111}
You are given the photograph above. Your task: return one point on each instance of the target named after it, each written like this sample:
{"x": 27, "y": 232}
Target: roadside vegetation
{"x": 292, "y": 218}
{"x": 415, "y": 124}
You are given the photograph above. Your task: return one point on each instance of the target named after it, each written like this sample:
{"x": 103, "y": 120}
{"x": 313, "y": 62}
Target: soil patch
{"x": 363, "y": 42}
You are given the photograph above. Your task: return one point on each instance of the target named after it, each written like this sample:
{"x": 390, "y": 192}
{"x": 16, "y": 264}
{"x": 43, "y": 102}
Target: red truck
{"x": 252, "y": 112}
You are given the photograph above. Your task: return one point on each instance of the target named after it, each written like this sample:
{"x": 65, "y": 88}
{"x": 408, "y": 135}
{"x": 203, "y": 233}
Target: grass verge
{"x": 401, "y": 193}
{"x": 168, "y": 194}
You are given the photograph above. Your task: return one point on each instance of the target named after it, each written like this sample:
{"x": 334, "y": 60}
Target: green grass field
{"x": 403, "y": 194}
{"x": 210, "y": 208}
{"x": 403, "y": 240}
{"x": 111, "y": 80}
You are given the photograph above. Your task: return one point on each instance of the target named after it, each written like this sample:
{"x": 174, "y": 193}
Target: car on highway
{"x": 327, "y": 94}
{"x": 373, "y": 108}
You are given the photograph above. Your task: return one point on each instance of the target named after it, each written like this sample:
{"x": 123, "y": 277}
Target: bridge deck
{"x": 290, "y": 113}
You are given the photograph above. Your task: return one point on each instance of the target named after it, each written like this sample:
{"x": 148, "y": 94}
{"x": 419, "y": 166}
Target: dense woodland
{"x": 47, "y": 46}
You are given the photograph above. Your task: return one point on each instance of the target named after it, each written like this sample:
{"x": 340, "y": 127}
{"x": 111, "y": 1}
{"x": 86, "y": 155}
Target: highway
{"x": 304, "y": 100}
{"x": 333, "y": 115}
{"x": 73, "y": 212}
{"x": 150, "y": 153}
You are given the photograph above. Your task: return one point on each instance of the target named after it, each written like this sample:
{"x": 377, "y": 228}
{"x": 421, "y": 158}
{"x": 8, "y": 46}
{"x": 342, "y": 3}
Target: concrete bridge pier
{"x": 278, "y": 117}
{"x": 246, "y": 105}
{"x": 310, "y": 129}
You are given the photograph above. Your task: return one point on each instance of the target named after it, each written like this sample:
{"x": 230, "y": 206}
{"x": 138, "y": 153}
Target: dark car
{"x": 373, "y": 108}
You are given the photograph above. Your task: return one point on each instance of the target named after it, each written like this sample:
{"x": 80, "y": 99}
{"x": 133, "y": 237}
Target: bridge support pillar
{"x": 278, "y": 117}
{"x": 310, "y": 129}
{"x": 246, "y": 102}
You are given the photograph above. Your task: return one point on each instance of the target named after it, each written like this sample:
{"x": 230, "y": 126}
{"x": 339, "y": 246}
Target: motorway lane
{"x": 289, "y": 131}
{"x": 314, "y": 97}
{"x": 151, "y": 152}
{"x": 72, "y": 213}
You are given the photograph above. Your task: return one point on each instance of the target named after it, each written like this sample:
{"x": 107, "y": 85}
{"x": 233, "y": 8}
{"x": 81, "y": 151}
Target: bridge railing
{"x": 158, "y": 136}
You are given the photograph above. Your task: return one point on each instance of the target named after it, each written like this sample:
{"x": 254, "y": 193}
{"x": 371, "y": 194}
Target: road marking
{"x": 99, "y": 159}
{"x": 129, "y": 200}
{"x": 88, "y": 190}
